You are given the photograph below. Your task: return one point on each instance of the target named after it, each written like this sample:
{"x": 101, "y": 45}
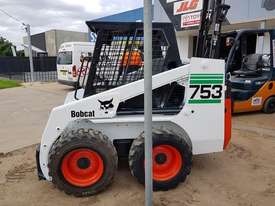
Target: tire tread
{"x": 74, "y": 136}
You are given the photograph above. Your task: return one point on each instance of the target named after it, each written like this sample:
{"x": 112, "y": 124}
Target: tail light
{"x": 74, "y": 71}
{"x": 227, "y": 122}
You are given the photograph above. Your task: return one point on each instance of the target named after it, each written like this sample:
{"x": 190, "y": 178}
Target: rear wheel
{"x": 172, "y": 159}
{"x": 82, "y": 162}
{"x": 269, "y": 105}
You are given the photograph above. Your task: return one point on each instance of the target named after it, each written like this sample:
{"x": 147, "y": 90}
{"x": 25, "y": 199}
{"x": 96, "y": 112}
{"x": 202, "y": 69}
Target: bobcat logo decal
{"x": 106, "y": 105}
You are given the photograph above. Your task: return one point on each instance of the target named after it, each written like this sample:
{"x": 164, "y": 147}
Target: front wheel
{"x": 269, "y": 105}
{"x": 172, "y": 159}
{"x": 82, "y": 162}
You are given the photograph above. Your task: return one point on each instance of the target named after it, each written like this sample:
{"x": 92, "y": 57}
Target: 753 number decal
{"x": 207, "y": 91}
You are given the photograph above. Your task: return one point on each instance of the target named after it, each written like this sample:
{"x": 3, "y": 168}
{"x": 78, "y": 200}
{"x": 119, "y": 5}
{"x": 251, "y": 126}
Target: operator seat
{"x": 250, "y": 78}
{"x": 252, "y": 65}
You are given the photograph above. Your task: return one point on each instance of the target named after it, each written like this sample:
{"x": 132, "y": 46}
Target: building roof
{"x": 34, "y": 48}
{"x": 127, "y": 16}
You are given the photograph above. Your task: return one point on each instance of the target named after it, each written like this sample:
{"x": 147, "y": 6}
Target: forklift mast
{"x": 213, "y": 15}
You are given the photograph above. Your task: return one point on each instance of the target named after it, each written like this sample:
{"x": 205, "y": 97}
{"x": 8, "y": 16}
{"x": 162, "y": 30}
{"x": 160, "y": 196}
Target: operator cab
{"x": 118, "y": 60}
{"x": 250, "y": 63}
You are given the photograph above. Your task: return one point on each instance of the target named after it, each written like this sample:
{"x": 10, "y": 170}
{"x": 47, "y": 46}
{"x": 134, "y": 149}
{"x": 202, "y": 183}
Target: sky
{"x": 45, "y": 15}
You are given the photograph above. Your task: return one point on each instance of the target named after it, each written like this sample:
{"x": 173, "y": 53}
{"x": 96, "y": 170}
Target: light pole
{"x": 148, "y": 100}
{"x": 28, "y": 31}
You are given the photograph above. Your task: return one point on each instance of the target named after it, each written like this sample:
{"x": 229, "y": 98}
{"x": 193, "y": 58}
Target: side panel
{"x": 203, "y": 115}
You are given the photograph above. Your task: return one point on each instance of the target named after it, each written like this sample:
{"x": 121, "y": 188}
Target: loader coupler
{"x": 39, "y": 171}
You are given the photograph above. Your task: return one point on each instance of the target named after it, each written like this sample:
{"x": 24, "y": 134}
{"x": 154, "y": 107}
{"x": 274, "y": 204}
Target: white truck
{"x": 69, "y": 59}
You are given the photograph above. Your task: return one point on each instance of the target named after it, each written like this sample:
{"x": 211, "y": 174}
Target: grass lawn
{"x": 4, "y": 84}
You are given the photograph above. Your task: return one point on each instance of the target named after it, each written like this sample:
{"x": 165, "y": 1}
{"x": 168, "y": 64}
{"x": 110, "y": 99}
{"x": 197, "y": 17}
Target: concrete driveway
{"x": 24, "y": 113}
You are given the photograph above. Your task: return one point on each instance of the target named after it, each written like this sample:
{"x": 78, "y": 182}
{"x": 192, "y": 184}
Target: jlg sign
{"x": 184, "y": 14}
{"x": 187, "y": 6}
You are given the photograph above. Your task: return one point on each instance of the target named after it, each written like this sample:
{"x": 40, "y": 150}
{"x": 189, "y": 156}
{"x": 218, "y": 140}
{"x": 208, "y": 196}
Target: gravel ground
{"x": 242, "y": 175}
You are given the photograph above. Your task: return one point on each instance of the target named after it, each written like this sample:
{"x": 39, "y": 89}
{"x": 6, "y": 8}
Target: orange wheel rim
{"x": 82, "y": 167}
{"x": 167, "y": 162}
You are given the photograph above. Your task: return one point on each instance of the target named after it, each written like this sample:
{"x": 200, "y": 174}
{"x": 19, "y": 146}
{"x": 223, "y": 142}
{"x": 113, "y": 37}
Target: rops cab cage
{"x": 118, "y": 54}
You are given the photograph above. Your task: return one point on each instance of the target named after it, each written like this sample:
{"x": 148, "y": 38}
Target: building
{"x": 135, "y": 15}
{"x": 244, "y": 14}
{"x": 48, "y": 43}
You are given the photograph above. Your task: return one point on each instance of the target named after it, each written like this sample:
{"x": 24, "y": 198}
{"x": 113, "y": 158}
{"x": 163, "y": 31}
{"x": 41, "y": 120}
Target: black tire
{"x": 136, "y": 158}
{"x": 269, "y": 105}
{"x": 78, "y": 139}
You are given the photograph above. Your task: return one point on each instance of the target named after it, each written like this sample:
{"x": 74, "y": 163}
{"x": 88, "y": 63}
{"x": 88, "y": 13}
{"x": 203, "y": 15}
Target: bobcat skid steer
{"x": 104, "y": 120}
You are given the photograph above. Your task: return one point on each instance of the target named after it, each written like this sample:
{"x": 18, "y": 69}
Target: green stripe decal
{"x": 206, "y": 74}
{"x": 204, "y": 101}
{"x": 211, "y": 81}
{"x": 206, "y": 77}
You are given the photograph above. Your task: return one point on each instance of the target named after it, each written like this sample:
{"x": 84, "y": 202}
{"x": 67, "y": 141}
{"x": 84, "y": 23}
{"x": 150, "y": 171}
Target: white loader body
{"x": 202, "y": 118}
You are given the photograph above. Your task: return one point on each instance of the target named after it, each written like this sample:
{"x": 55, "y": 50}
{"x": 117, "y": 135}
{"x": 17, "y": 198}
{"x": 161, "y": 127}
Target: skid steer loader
{"x": 104, "y": 119}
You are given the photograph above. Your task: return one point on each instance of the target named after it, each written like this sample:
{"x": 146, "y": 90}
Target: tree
{"x": 5, "y": 47}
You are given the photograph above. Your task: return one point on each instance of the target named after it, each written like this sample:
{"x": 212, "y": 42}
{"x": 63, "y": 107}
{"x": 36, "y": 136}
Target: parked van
{"x": 69, "y": 60}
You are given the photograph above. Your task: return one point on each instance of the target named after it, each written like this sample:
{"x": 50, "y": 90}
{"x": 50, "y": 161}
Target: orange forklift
{"x": 251, "y": 68}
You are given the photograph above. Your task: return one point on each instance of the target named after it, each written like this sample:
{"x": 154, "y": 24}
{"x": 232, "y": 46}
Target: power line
{"x": 9, "y": 15}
